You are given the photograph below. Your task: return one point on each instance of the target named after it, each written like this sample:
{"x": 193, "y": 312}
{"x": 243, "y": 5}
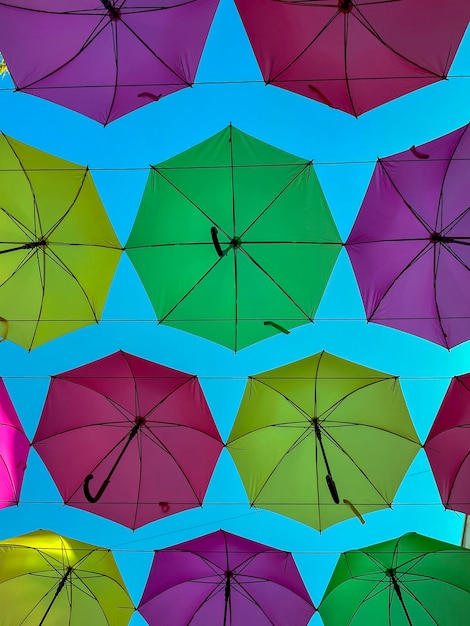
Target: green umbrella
{"x": 409, "y": 581}
{"x": 58, "y": 250}
{"x": 234, "y": 240}
{"x": 322, "y": 439}
{"x": 47, "y": 579}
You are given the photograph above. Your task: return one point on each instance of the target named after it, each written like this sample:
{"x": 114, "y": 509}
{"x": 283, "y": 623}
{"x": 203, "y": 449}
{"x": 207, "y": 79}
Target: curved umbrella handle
{"x": 100, "y": 491}
{"x": 215, "y": 241}
{"x": 332, "y": 487}
{"x": 277, "y": 327}
{"x": 419, "y": 155}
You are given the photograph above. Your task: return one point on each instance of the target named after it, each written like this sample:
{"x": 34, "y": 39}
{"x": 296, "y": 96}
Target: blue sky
{"x": 308, "y": 129}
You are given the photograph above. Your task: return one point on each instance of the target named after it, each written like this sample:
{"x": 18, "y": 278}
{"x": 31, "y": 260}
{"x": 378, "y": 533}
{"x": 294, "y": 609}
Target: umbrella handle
{"x": 277, "y": 327}
{"x": 99, "y": 493}
{"x": 215, "y": 241}
{"x": 332, "y": 487}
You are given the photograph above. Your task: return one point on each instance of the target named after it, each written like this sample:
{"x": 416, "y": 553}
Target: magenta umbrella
{"x": 448, "y": 446}
{"x": 104, "y": 58}
{"x": 128, "y": 439}
{"x": 14, "y": 450}
{"x": 354, "y": 55}
{"x": 225, "y": 580}
{"x": 410, "y": 243}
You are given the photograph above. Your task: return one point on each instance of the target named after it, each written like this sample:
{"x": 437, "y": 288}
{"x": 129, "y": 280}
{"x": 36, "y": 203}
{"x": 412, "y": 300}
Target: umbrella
{"x": 354, "y": 55}
{"x": 58, "y": 250}
{"x": 409, "y": 581}
{"x": 234, "y": 240}
{"x": 14, "y": 449}
{"x": 49, "y": 579}
{"x": 409, "y": 245}
{"x": 225, "y": 580}
{"x": 322, "y": 439}
{"x": 448, "y": 446}
{"x": 104, "y": 58}
{"x": 128, "y": 439}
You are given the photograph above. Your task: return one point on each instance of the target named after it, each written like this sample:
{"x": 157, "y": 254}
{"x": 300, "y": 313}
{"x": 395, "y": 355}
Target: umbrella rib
{"x": 251, "y": 598}
{"x": 36, "y": 215}
{"x": 21, "y": 264}
{"x": 97, "y": 30}
{"x": 420, "y": 219}
{"x": 206, "y": 215}
{"x": 340, "y": 447}
{"x": 440, "y": 208}
{"x": 14, "y": 493}
{"x": 302, "y": 169}
{"x": 374, "y": 427}
{"x": 454, "y": 479}
{"x": 416, "y": 258}
{"x": 412, "y": 595}
{"x": 54, "y": 227}
{"x": 182, "y": 79}
{"x": 114, "y": 30}
{"x": 296, "y": 58}
{"x": 348, "y": 86}
{"x": 304, "y": 314}
{"x": 183, "y": 473}
{"x": 58, "y": 261}
{"x": 368, "y": 26}
{"x": 210, "y": 595}
{"x": 136, "y": 395}
{"x": 42, "y": 276}
{"x": 436, "y": 257}
{"x": 454, "y": 223}
{"x": 25, "y": 230}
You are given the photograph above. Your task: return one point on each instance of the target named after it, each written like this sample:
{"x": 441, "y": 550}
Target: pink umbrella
{"x": 225, "y": 580}
{"x": 104, "y": 58}
{"x": 448, "y": 446}
{"x": 410, "y": 243}
{"x": 14, "y": 449}
{"x": 128, "y": 439}
{"x": 354, "y": 55}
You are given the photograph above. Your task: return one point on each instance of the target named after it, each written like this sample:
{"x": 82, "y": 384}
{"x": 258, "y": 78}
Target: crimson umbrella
{"x": 354, "y": 55}
{"x": 410, "y": 243}
{"x": 104, "y": 58}
{"x": 225, "y": 580}
{"x": 448, "y": 446}
{"x": 14, "y": 450}
{"x": 128, "y": 439}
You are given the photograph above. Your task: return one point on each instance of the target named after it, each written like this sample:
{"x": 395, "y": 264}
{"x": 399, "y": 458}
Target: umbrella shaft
{"x": 57, "y": 591}
{"x": 397, "y": 589}
{"x": 227, "y": 600}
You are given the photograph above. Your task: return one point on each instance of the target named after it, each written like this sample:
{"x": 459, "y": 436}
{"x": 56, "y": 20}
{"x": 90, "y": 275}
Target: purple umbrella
{"x": 104, "y": 58}
{"x": 225, "y": 580}
{"x": 410, "y": 244}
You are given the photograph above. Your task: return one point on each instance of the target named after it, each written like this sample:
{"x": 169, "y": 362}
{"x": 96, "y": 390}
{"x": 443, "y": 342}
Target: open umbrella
{"x": 58, "y": 250}
{"x": 448, "y": 446}
{"x": 234, "y": 240}
{"x": 104, "y": 58}
{"x": 409, "y": 246}
{"x": 225, "y": 580}
{"x": 47, "y": 579}
{"x": 322, "y": 439}
{"x": 354, "y": 55}
{"x": 14, "y": 450}
{"x": 128, "y": 439}
{"x": 409, "y": 581}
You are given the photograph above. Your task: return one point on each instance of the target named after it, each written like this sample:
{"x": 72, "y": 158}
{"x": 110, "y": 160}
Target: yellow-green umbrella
{"x": 323, "y": 439}
{"x": 58, "y": 250}
{"x": 49, "y": 580}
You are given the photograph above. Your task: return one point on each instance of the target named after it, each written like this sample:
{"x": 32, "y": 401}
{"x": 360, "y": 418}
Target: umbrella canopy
{"x": 234, "y": 240}
{"x": 354, "y": 55}
{"x": 448, "y": 446}
{"x": 58, "y": 250}
{"x": 14, "y": 450}
{"x": 322, "y": 439}
{"x": 104, "y": 58}
{"x": 128, "y": 439}
{"x": 409, "y": 581}
{"x": 409, "y": 245}
{"x": 225, "y": 580}
{"x": 49, "y": 579}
